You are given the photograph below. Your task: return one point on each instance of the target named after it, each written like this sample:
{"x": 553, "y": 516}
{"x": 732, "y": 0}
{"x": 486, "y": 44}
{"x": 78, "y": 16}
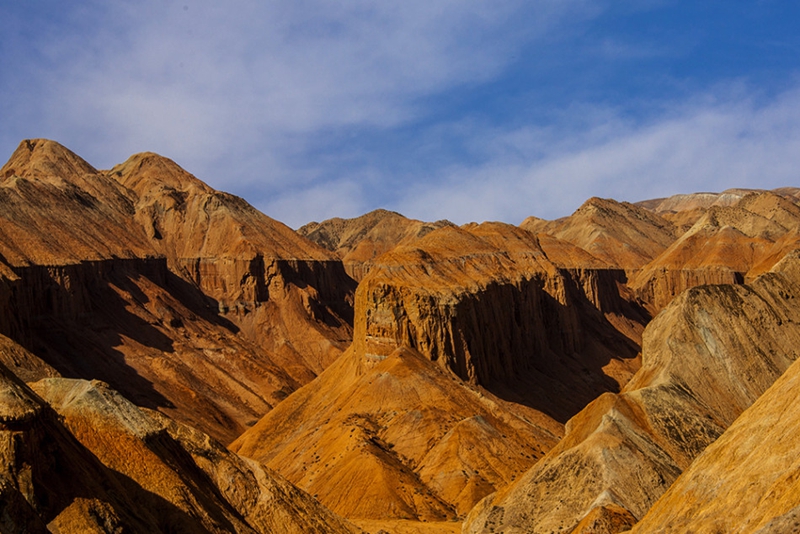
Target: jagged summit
{"x": 186, "y": 218}
{"x": 42, "y": 158}
{"x": 359, "y": 241}
{"x": 399, "y": 370}
{"x": 619, "y": 233}
{"x": 149, "y": 276}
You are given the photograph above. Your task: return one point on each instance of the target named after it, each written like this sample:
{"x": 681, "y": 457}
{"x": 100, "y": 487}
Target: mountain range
{"x": 173, "y": 360}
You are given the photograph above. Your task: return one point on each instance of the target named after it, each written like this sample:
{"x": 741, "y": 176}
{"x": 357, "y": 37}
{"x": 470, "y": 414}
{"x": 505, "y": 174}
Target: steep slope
{"x": 458, "y": 309}
{"x": 360, "y": 240}
{"x": 286, "y": 294}
{"x": 709, "y": 355}
{"x": 485, "y": 302}
{"x": 619, "y": 233}
{"x": 396, "y": 438}
{"x": 183, "y": 298}
{"x": 746, "y": 481}
{"x": 97, "y": 463}
{"x": 726, "y": 245}
{"x": 57, "y": 209}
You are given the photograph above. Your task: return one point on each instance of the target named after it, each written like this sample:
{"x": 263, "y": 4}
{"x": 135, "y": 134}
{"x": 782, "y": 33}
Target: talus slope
{"x": 183, "y": 298}
{"x": 87, "y": 460}
{"x": 707, "y": 357}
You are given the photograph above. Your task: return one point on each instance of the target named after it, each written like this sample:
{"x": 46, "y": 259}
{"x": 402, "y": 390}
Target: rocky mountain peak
{"x": 42, "y": 158}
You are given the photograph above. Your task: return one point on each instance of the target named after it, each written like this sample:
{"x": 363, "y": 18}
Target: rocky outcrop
{"x": 486, "y": 303}
{"x": 746, "y": 480}
{"x": 58, "y": 210}
{"x": 441, "y": 325}
{"x": 621, "y": 234}
{"x": 706, "y": 358}
{"x": 281, "y": 290}
{"x": 726, "y": 245}
{"x": 185, "y": 299}
{"x": 87, "y": 460}
{"x": 360, "y": 240}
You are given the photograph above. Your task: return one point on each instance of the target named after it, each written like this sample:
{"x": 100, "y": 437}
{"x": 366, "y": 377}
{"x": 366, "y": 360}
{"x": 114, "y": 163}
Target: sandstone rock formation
{"x": 87, "y": 460}
{"x": 285, "y": 293}
{"x": 493, "y": 372}
{"x": 360, "y": 240}
{"x": 440, "y": 323}
{"x": 726, "y": 245}
{"x": 706, "y": 358}
{"x": 183, "y": 298}
{"x": 621, "y": 234}
{"x": 746, "y": 481}
{"x": 487, "y": 303}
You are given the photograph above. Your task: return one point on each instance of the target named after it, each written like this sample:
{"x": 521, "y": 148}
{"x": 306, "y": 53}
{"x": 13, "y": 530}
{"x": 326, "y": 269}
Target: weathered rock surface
{"x": 57, "y": 210}
{"x": 725, "y": 246}
{"x": 87, "y": 460}
{"x": 404, "y": 437}
{"x": 472, "y": 346}
{"x": 486, "y": 303}
{"x": 286, "y": 294}
{"x": 623, "y": 235}
{"x": 457, "y": 309}
{"x": 360, "y": 240}
{"x": 706, "y": 358}
{"x": 183, "y": 298}
{"x": 746, "y": 481}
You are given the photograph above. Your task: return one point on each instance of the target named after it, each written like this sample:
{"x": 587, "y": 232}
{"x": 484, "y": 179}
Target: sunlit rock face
{"x": 706, "y": 358}
{"x": 183, "y": 298}
{"x": 558, "y": 376}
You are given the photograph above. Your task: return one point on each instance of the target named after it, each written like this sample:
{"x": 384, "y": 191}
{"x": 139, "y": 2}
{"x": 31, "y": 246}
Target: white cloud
{"x": 196, "y": 79}
{"x": 244, "y": 94}
{"x": 339, "y": 198}
{"x": 710, "y": 145}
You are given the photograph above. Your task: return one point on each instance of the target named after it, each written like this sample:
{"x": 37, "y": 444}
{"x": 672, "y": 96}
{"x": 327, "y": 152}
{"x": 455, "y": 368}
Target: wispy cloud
{"x": 446, "y": 108}
{"x": 197, "y": 78}
{"x": 710, "y": 144}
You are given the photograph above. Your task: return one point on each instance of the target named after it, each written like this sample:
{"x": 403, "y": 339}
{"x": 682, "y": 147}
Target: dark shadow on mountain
{"x": 66, "y": 473}
{"x": 537, "y": 351}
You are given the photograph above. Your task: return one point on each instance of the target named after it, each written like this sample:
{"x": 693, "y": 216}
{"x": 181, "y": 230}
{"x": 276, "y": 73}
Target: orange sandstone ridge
{"x": 403, "y": 374}
{"x": 184, "y": 299}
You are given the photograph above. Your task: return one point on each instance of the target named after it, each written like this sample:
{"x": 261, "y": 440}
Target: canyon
{"x": 171, "y": 359}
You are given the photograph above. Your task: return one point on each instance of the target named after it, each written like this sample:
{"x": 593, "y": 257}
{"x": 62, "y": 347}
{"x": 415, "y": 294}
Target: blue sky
{"x": 468, "y": 110}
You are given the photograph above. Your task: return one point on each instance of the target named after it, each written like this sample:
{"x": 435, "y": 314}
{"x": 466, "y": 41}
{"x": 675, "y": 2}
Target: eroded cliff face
{"x": 185, "y": 299}
{"x": 707, "y": 357}
{"x": 78, "y": 457}
{"x": 281, "y": 290}
{"x": 727, "y": 245}
{"x": 447, "y": 331}
{"x": 489, "y": 305}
